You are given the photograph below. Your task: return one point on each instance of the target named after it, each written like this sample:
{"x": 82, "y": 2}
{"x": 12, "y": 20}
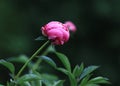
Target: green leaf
{"x": 98, "y": 80}
{"x": 62, "y": 70}
{"x": 21, "y": 58}
{"x": 8, "y": 65}
{"x": 85, "y": 81}
{"x": 58, "y": 83}
{"x": 70, "y": 75}
{"x": 1, "y": 85}
{"x": 8, "y": 84}
{"x": 27, "y": 84}
{"x": 92, "y": 85}
{"x": 88, "y": 70}
{"x": 28, "y": 77}
{"x": 49, "y": 77}
{"x": 47, "y": 83}
{"x": 73, "y": 81}
{"x": 81, "y": 69}
{"x": 40, "y": 82}
{"x": 64, "y": 61}
{"x": 78, "y": 70}
{"x": 40, "y": 38}
{"x": 36, "y": 83}
{"x": 49, "y": 61}
{"x": 51, "y": 48}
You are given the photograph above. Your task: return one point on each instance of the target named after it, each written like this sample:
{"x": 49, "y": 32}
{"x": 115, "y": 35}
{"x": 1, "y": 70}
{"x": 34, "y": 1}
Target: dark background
{"x": 96, "y": 42}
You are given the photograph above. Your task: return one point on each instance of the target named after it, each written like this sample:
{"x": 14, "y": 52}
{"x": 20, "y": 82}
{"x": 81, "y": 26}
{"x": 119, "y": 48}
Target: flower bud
{"x": 57, "y": 32}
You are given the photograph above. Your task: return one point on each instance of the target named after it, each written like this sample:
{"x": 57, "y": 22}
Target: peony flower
{"x": 70, "y": 26}
{"x": 57, "y": 32}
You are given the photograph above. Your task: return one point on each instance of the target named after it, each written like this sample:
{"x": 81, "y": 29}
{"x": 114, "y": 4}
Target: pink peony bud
{"x": 57, "y": 32}
{"x": 70, "y": 26}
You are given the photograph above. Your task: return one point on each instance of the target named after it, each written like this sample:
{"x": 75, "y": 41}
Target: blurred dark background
{"x": 96, "y": 42}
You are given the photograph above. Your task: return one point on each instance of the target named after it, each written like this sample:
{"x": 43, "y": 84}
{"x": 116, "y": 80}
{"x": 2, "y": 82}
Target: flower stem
{"x": 35, "y": 54}
{"x": 35, "y": 66}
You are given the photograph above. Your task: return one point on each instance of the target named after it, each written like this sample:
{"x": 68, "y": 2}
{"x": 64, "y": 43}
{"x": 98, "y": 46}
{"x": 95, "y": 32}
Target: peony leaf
{"x": 28, "y": 77}
{"x": 27, "y": 84}
{"x": 72, "y": 79}
{"x": 92, "y": 85}
{"x": 88, "y": 70}
{"x": 98, "y": 80}
{"x": 8, "y": 65}
{"x": 49, "y": 77}
{"x": 64, "y": 61}
{"x": 70, "y": 75}
{"x": 40, "y": 38}
{"x": 78, "y": 70}
{"x": 58, "y": 83}
{"x": 21, "y": 58}
{"x": 85, "y": 81}
{"x": 49, "y": 61}
{"x": 51, "y": 48}
{"x": 62, "y": 70}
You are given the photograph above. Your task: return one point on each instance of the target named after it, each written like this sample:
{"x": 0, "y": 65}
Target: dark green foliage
{"x": 64, "y": 61}
{"x": 88, "y": 70}
{"x": 8, "y": 65}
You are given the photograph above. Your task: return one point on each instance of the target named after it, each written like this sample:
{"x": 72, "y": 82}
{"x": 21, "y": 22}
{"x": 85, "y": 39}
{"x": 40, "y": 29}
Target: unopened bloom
{"x": 71, "y": 26}
{"x": 57, "y": 32}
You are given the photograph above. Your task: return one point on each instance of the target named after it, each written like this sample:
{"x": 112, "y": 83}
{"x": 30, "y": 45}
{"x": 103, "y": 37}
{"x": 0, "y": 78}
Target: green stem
{"x": 35, "y": 66}
{"x": 36, "y": 53}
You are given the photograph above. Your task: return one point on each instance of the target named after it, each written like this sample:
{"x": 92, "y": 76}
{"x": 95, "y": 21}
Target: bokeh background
{"x": 96, "y": 42}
